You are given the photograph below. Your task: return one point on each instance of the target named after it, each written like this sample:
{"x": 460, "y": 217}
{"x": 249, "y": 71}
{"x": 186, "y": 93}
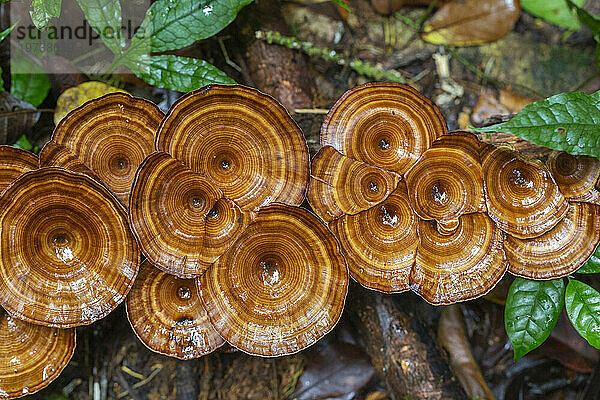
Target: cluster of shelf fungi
{"x": 209, "y": 195}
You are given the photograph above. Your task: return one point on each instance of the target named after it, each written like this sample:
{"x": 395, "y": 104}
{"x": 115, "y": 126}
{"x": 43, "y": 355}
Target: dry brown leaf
{"x": 76, "y": 96}
{"x": 512, "y": 101}
{"x": 16, "y": 118}
{"x": 472, "y": 22}
{"x": 487, "y": 106}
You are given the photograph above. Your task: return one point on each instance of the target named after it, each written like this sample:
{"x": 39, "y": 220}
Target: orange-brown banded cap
{"x": 59, "y": 155}
{"x": 591, "y": 196}
{"x": 180, "y": 219}
{"x": 280, "y": 287}
{"x": 168, "y": 316}
{"x": 560, "y": 251}
{"x": 111, "y": 136}
{"x": 31, "y": 356}
{"x": 67, "y": 256}
{"x": 242, "y": 140}
{"x": 340, "y": 185}
{"x": 380, "y": 244}
{"x": 459, "y": 266}
{"x": 521, "y": 196}
{"x": 13, "y": 163}
{"x": 574, "y": 175}
{"x": 447, "y": 181}
{"x": 387, "y": 125}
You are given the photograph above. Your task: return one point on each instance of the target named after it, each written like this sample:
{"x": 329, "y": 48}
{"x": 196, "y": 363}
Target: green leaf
{"x": 583, "y": 309}
{"x": 178, "y": 73}
{"x": 566, "y": 121}
{"x": 531, "y": 311}
{"x": 23, "y": 143}
{"x": 32, "y": 87}
{"x": 342, "y": 4}
{"x": 555, "y": 11}
{"x": 585, "y": 17}
{"x": 174, "y": 24}
{"x": 104, "y": 16}
{"x": 42, "y": 10}
{"x": 592, "y": 266}
{"x": 6, "y": 32}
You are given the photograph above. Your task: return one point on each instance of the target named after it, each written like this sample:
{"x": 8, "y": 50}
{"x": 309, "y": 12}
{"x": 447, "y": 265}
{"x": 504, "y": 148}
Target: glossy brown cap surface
{"x": 574, "y": 175}
{"x": 59, "y": 155}
{"x": 560, "y": 251}
{"x": 340, "y": 185}
{"x": 168, "y": 316}
{"x": 387, "y": 125}
{"x": 244, "y": 141}
{"x": 180, "y": 219}
{"x": 67, "y": 256}
{"x": 447, "y": 181}
{"x": 280, "y": 287}
{"x": 380, "y": 244}
{"x": 13, "y": 163}
{"x": 111, "y": 136}
{"x": 521, "y": 196}
{"x": 459, "y": 266}
{"x": 31, "y": 356}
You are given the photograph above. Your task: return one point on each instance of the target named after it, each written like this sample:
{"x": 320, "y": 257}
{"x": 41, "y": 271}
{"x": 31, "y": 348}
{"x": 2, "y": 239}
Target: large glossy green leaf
{"x": 42, "y": 10}
{"x": 566, "y": 121}
{"x": 592, "y": 266}
{"x": 555, "y": 11}
{"x": 104, "y": 16}
{"x": 583, "y": 308}
{"x": 177, "y": 73}
{"x": 531, "y": 311}
{"x": 175, "y": 24}
{"x": 32, "y": 87}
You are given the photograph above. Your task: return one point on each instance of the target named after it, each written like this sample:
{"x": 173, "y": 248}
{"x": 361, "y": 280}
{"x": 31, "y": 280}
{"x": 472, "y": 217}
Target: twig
{"x": 275, "y": 379}
{"x": 363, "y": 68}
{"x": 156, "y": 368}
{"x": 25, "y": 111}
{"x": 131, "y": 372}
{"x": 311, "y": 110}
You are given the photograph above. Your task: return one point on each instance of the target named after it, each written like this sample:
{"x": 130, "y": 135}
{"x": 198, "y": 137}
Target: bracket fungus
{"x": 280, "y": 287}
{"x": 13, "y": 163}
{"x": 110, "y": 136}
{"x": 67, "y": 256}
{"x": 180, "y": 219}
{"x": 576, "y": 176}
{"x": 168, "y": 316}
{"x": 31, "y": 356}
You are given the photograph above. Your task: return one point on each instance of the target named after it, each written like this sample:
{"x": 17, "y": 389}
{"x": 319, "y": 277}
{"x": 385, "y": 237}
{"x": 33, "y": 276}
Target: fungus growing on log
{"x": 180, "y": 219}
{"x": 168, "y": 316}
{"x": 111, "y": 136}
{"x": 280, "y": 287}
{"x": 67, "y": 256}
{"x": 31, "y": 356}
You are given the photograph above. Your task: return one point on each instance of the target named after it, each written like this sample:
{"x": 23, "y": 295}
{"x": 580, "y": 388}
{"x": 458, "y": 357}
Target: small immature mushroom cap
{"x": 168, "y": 316}
{"x": 521, "y": 196}
{"x": 13, "y": 163}
{"x": 447, "y": 181}
{"x": 388, "y": 125}
{"x": 67, "y": 256}
{"x": 560, "y": 251}
{"x": 111, "y": 136}
{"x": 280, "y": 287}
{"x": 180, "y": 219}
{"x": 459, "y": 266}
{"x": 31, "y": 356}
{"x": 380, "y": 244}
{"x": 340, "y": 185}
{"x": 244, "y": 141}
{"x": 574, "y": 175}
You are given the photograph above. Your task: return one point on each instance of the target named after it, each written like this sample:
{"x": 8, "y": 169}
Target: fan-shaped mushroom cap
{"x": 56, "y": 154}
{"x": 447, "y": 181}
{"x": 574, "y": 175}
{"x": 340, "y": 185}
{"x": 387, "y": 125}
{"x": 168, "y": 316}
{"x": 242, "y": 140}
{"x": 561, "y": 250}
{"x": 280, "y": 287}
{"x": 521, "y": 196}
{"x": 67, "y": 256}
{"x": 13, "y": 163}
{"x": 180, "y": 219}
{"x": 111, "y": 136}
{"x": 31, "y": 356}
{"x": 380, "y": 244}
{"x": 459, "y": 266}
